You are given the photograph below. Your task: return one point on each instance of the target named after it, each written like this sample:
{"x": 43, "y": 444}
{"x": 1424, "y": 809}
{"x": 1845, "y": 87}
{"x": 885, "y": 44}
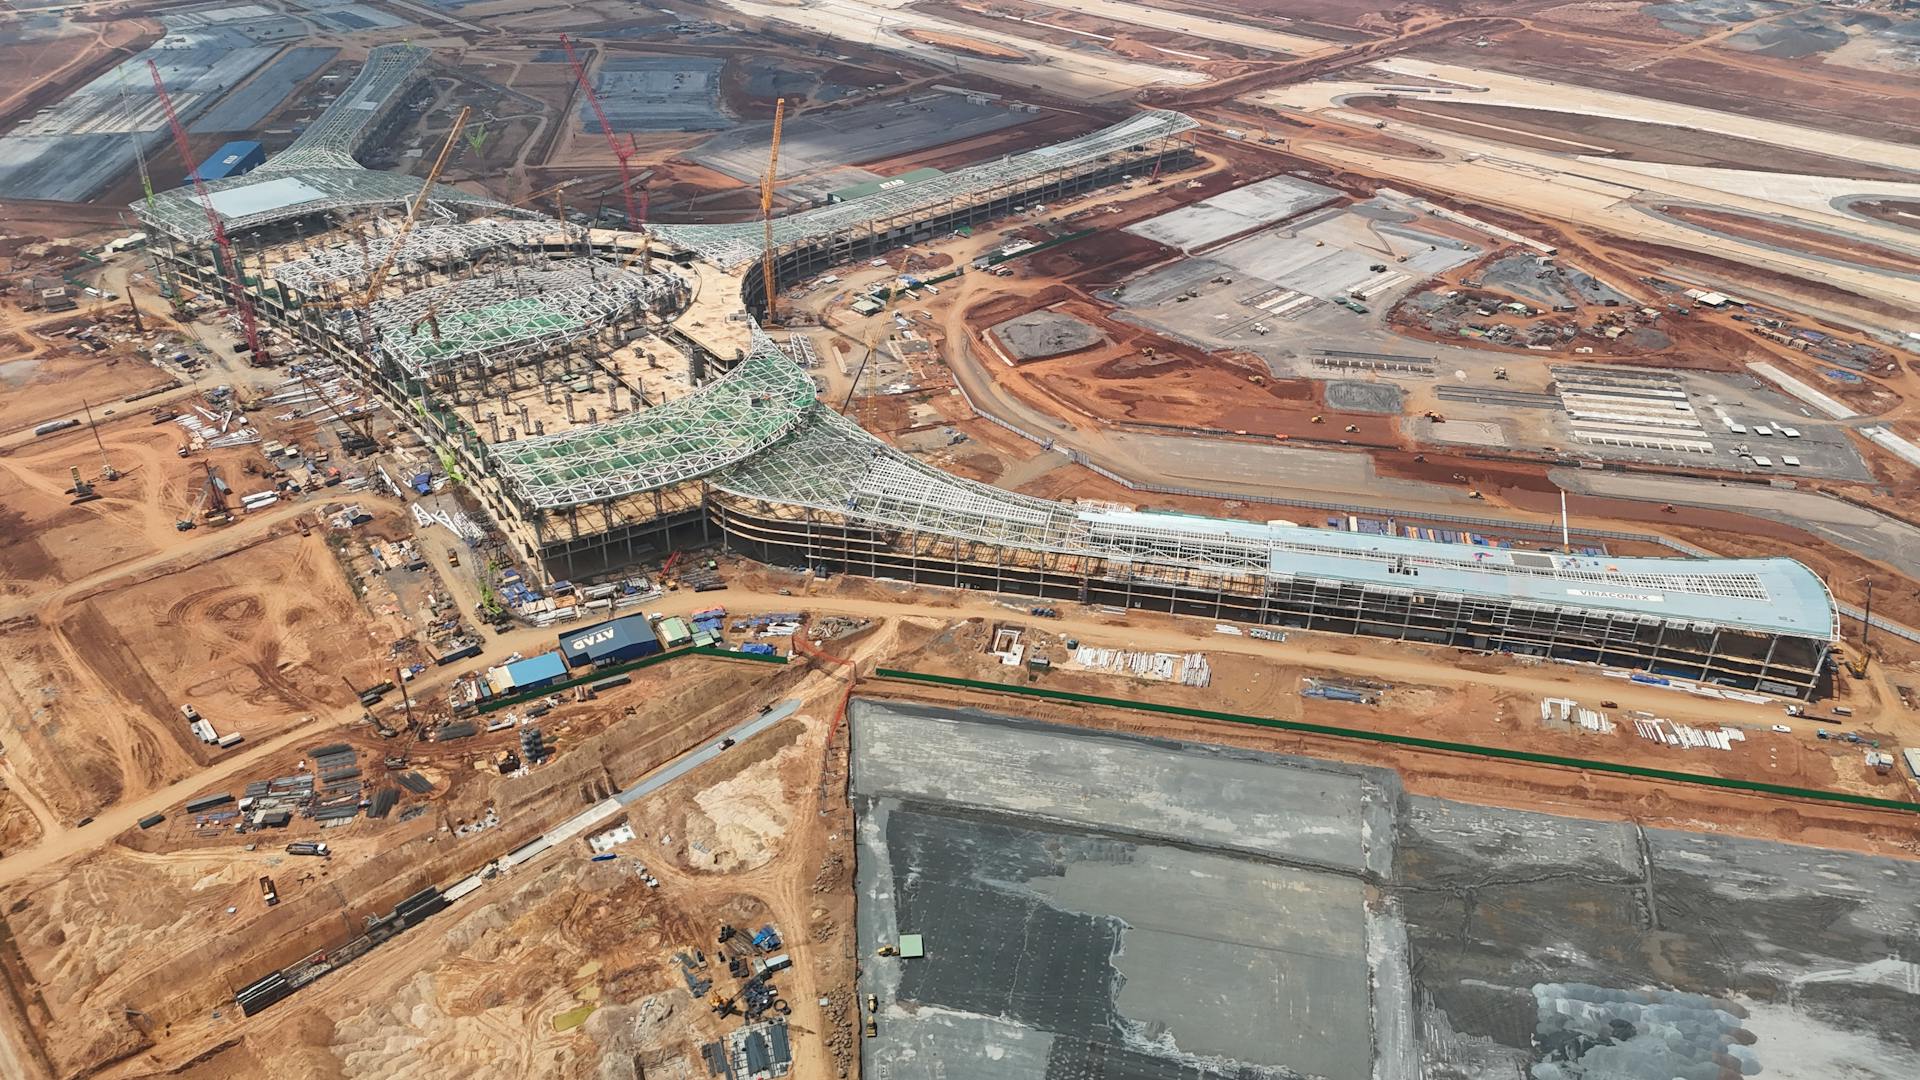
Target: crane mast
{"x": 622, "y": 154}
{"x": 238, "y": 301}
{"x": 766, "y": 210}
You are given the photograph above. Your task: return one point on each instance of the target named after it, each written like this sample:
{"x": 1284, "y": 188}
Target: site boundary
{"x": 496, "y": 704}
{"x": 1414, "y": 741}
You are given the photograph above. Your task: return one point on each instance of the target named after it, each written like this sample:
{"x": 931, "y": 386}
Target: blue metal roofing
{"x": 1772, "y": 595}
{"x": 535, "y": 670}
{"x": 233, "y": 159}
{"x": 592, "y": 644}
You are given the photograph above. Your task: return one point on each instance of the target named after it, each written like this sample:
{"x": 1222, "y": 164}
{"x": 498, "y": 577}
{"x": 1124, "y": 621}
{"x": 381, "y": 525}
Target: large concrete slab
{"x": 1230, "y": 213}
{"x": 1065, "y": 938}
{"x": 1208, "y": 796}
{"x": 1496, "y": 943}
{"x": 857, "y": 134}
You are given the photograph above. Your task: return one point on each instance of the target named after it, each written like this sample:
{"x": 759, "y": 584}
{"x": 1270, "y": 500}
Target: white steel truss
{"x": 517, "y": 312}
{"x": 732, "y": 246}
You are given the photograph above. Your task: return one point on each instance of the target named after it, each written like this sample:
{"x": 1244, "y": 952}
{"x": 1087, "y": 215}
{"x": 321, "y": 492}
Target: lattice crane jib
{"x": 766, "y": 210}
{"x": 239, "y": 302}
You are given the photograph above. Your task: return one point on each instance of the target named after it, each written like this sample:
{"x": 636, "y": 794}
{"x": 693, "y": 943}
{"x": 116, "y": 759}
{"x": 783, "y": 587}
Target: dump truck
{"x": 267, "y": 891}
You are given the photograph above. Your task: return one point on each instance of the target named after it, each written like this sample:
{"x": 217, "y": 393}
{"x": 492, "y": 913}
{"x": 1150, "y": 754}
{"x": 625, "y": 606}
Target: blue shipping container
{"x": 234, "y": 159}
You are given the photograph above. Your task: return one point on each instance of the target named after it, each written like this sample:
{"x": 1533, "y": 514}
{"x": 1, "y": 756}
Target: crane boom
{"x": 238, "y": 300}
{"x": 620, "y": 153}
{"x": 379, "y": 275}
{"x": 766, "y": 209}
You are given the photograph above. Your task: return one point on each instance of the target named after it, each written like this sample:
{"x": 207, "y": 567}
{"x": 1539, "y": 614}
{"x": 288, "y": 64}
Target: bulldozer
{"x": 722, "y": 1004}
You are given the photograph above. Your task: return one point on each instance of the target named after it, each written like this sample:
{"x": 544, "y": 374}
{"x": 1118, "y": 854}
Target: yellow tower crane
{"x": 766, "y": 209}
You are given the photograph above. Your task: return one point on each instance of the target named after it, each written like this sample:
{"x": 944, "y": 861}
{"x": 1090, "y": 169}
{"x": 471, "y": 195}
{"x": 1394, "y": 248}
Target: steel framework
{"x": 739, "y": 415}
{"x": 341, "y": 267}
{"x": 319, "y": 168}
{"x": 335, "y": 138}
{"x": 502, "y": 319}
{"x": 733, "y": 246}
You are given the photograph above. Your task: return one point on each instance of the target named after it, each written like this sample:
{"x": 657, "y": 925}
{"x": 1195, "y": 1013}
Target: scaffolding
{"x": 347, "y": 266}
{"x": 733, "y": 246}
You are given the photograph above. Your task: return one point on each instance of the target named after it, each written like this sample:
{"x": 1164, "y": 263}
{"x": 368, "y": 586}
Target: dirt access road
{"x": 1332, "y": 654}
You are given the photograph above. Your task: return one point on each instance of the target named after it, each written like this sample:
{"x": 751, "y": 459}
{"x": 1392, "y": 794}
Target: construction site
{"x": 728, "y": 542}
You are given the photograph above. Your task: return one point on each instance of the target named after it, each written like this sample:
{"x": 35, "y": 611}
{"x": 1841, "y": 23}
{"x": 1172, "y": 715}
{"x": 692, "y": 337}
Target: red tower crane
{"x": 238, "y": 301}
{"x": 622, "y": 153}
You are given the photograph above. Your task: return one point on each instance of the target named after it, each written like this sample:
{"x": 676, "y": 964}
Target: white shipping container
{"x": 1789, "y": 459}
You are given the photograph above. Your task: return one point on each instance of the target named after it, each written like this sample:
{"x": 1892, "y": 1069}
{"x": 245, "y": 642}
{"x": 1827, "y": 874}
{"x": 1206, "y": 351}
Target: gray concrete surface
{"x": 1040, "y": 334}
{"x": 1495, "y": 943}
{"x": 1233, "y": 212}
{"x": 1065, "y": 938}
{"x": 657, "y": 93}
{"x": 855, "y": 135}
{"x": 1852, "y": 527}
{"x": 245, "y": 110}
{"x": 1353, "y": 395}
{"x": 1206, "y": 796}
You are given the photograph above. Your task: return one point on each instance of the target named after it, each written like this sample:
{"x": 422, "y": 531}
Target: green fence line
{"x": 1500, "y": 752}
{"x": 496, "y": 704}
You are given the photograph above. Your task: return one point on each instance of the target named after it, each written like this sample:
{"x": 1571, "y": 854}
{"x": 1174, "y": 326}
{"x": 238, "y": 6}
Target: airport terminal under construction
{"x": 606, "y": 395}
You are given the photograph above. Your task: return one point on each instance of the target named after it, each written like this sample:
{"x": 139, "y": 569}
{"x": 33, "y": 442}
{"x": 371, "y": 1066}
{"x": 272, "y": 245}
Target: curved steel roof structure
{"x": 759, "y": 433}
{"x": 733, "y": 246}
{"x": 750, "y": 408}
{"x": 318, "y": 173}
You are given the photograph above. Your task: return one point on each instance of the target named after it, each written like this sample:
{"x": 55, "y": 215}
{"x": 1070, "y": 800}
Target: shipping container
{"x": 151, "y": 820}
{"x": 52, "y": 426}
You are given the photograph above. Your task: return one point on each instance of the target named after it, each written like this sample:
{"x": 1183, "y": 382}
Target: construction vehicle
{"x": 1434, "y": 417}
{"x": 888, "y": 950}
{"x": 872, "y": 1030}
{"x": 721, "y": 1003}
{"x": 1351, "y": 428}
{"x": 1317, "y": 420}
{"x": 267, "y": 891}
{"x": 873, "y": 1004}
{"x": 81, "y": 491}
{"x": 1475, "y": 494}
{"x": 1500, "y": 374}
{"x": 1854, "y": 661}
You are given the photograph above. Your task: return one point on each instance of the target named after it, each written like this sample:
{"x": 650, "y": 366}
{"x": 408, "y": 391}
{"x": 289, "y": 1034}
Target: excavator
{"x": 1853, "y": 660}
